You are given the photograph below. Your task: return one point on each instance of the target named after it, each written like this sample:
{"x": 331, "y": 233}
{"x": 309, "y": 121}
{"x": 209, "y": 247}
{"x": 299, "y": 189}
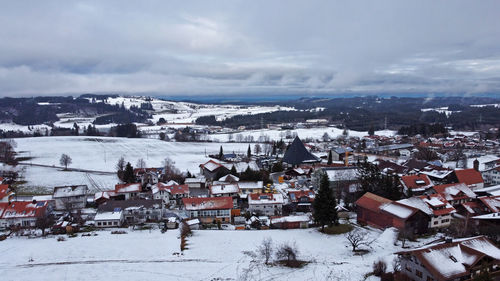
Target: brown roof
{"x": 208, "y": 203}
{"x": 416, "y": 181}
{"x": 371, "y": 201}
{"x": 469, "y": 176}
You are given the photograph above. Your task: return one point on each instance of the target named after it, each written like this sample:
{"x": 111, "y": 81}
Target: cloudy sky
{"x": 249, "y": 47}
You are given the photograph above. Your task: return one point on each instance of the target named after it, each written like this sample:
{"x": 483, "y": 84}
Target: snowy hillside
{"x": 211, "y": 255}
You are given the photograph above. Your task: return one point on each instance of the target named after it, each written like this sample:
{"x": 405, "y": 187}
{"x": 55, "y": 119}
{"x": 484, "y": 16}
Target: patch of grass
{"x": 337, "y": 229}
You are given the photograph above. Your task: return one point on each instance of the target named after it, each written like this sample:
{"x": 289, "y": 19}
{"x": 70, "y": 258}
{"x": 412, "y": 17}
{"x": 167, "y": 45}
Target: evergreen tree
{"x": 325, "y": 212}
{"x": 371, "y": 131}
{"x": 221, "y": 153}
{"x": 233, "y": 171}
{"x": 249, "y": 152}
{"x": 128, "y": 175}
{"x": 330, "y": 158}
{"x": 188, "y": 175}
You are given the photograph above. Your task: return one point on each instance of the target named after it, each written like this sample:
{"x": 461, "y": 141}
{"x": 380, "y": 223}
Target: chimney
{"x": 476, "y": 165}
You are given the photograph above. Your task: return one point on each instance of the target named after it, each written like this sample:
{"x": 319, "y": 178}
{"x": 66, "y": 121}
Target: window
{"x": 430, "y": 278}
{"x": 105, "y": 223}
{"x": 115, "y": 223}
{"x": 418, "y": 273}
{"x": 99, "y": 223}
{"x": 436, "y": 222}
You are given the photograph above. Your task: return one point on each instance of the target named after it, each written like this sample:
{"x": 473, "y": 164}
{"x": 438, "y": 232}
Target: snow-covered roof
{"x": 291, "y": 219}
{"x": 452, "y": 191}
{"x": 106, "y": 216}
{"x": 195, "y": 180}
{"x": 251, "y": 184}
{"x": 224, "y": 189}
{"x": 342, "y": 174}
{"x": 70, "y": 191}
{"x": 22, "y": 209}
{"x": 398, "y": 210}
{"x": 448, "y": 261}
{"x": 265, "y": 198}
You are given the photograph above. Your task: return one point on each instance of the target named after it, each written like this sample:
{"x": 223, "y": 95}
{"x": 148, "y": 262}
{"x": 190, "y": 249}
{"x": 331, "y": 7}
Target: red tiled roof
{"x": 174, "y": 189}
{"x": 301, "y": 193}
{"x": 469, "y": 176}
{"x": 413, "y": 181}
{"x": 208, "y": 203}
{"x": 372, "y": 202}
{"x": 22, "y": 209}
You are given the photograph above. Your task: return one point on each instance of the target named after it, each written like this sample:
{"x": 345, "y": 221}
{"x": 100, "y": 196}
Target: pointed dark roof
{"x": 297, "y": 154}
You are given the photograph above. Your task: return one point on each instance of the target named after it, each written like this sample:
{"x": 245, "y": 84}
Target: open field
{"x": 102, "y": 154}
{"x": 211, "y": 255}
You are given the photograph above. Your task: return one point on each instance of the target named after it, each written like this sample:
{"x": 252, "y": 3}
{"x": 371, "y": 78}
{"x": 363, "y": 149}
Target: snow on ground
{"x": 211, "y": 255}
{"x": 16, "y": 127}
{"x": 185, "y": 112}
{"x": 102, "y": 154}
{"x": 303, "y": 133}
{"x": 42, "y": 180}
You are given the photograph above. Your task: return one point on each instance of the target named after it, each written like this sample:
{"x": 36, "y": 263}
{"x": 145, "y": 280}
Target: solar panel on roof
{"x": 40, "y": 204}
{"x": 118, "y": 209}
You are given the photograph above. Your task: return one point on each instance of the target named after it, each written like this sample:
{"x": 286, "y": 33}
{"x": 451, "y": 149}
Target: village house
{"x": 127, "y": 191}
{"x": 460, "y": 259}
{"x": 437, "y": 209}
{"x": 381, "y": 212}
{"x": 301, "y": 200}
{"x": 22, "y": 213}
{"x": 416, "y": 184}
{"x": 134, "y": 211}
{"x": 471, "y": 177}
{"x": 195, "y": 183}
{"x": 226, "y": 190}
{"x": 455, "y": 193}
{"x": 70, "y": 198}
{"x": 148, "y": 176}
{"x": 248, "y": 187}
{"x": 209, "y": 210}
{"x": 268, "y": 204}
{"x": 211, "y": 170}
{"x": 170, "y": 194}
{"x": 229, "y": 179}
{"x": 492, "y": 176}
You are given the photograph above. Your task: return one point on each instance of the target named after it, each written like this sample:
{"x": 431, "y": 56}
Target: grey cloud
{"x": 233, "y": 47}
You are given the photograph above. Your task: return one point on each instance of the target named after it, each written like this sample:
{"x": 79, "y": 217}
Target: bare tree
{"x": 267, "y": 148}
{"x": 44, "y": 222}
{"x": 326, "y": 137}
{"x": 404, "y": 235}
{"x": 65, "y": 161}
{"x": 170, "y": 170}
{"x": 257, "y": 149}
{"x": 357, "y": 238}
{"x": 287, "y": 252}
{"x": 265, "y": 249}
{"x": 141, "y": 164}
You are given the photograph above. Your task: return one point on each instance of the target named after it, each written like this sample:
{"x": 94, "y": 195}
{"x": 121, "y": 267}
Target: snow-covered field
{"x": 102, "y": 154}
{"x": 211, "y": 255}
{"x": 314, "y": 133}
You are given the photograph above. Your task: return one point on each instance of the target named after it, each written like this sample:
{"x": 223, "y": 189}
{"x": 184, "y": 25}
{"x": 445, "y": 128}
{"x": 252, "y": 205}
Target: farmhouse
{"x": 109, "y": 219}
{"x": 380, "y": 212}
{"x": 22, "y": 213}
{"x": 127, "y": 191}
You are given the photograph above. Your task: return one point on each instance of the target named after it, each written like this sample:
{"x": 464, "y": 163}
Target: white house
{"x": 269, "y": 204}
{"x": 109, "y": 219}
{"x": 70, "y": 197}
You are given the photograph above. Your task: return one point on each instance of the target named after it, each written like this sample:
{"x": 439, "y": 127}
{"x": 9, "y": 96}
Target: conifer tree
{"x": 128, "y": 175}
{"x": 330, "y": 160}
{"x": 249, "y": 152}
{"x": 221, "y": 153}
{"x": 325, "y": 212}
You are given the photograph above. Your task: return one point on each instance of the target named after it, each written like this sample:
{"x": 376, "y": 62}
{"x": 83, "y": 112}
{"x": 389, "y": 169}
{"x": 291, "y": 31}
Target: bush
{"x": 61, "y": 238}
{"x": 287, "y": 253}
{"x": 379, "y": 268}
{"x": 118, "y": 232}
{"x": 337, "y": 229}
